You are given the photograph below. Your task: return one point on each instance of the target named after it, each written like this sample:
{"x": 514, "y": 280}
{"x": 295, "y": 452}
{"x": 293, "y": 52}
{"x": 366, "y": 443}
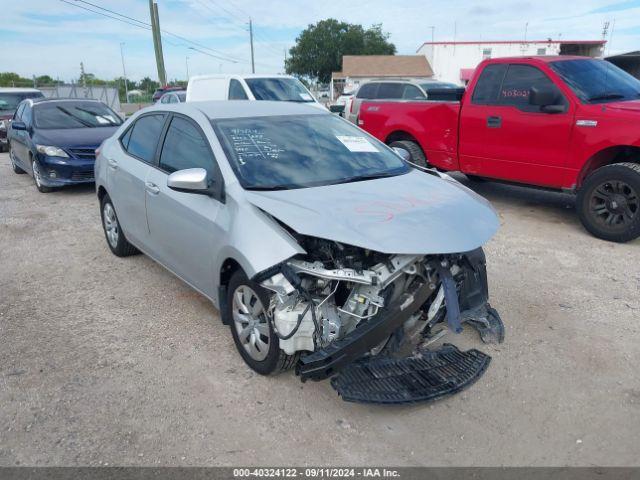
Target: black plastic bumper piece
{"x": 323, "y": 363}
{"x": 427, "y": 376}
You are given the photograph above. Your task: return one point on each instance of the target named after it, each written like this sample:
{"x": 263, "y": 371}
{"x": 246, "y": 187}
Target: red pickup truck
{"x": 565, "y": 123}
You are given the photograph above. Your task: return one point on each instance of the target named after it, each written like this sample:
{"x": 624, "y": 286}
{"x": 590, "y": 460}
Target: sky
{"x": 52, "y": 37}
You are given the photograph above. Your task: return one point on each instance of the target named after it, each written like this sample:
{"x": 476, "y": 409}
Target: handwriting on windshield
{"x": 252, "y": 144}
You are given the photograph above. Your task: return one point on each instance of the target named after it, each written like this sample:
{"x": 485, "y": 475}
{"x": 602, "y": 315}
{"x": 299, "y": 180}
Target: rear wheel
{"x": 253, "y": 335}
{"x": 609, "y": 202}
{"x": 14, "y": 165}
{"x": 416, "y": 155}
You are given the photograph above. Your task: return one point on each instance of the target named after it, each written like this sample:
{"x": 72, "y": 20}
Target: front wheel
{"x": 609, "y": 202}
{"x": 118, "y": 243}
{"x": 37, "y": 177}
{"x": 252, "y": 332}
{"x": 416, "y": 155}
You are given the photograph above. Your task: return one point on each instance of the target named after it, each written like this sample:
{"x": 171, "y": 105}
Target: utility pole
{"x": 83, "y": 77}
{"x": 433, "y": 30}
{"x": 157, "y": 41}
{"x": 186, "y": 62}
{"x": 253, "y": 66}
{"x": 124, "y": 72}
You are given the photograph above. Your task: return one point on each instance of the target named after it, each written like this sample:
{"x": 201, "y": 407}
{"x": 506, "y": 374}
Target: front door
{"x": 503, "y": 136}
{"x": 127, "y": 172}
{"x": 183, "y": 229}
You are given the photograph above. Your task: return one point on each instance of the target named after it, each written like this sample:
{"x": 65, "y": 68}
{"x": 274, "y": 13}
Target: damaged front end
{"x": 370, "y": 320}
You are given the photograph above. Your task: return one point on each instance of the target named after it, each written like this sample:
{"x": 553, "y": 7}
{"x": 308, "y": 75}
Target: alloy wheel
{"x": 37, "y": 176}
{"x": 110, "y": 224}
{"x": 614, "y": 204}
{"x": 250, "y": 322}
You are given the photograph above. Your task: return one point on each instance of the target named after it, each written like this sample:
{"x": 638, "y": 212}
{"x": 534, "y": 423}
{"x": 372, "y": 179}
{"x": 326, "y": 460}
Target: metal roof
{"x": 218, "y": 109}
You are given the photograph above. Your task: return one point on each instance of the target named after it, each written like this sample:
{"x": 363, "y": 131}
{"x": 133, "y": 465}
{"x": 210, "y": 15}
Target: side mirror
{"x": 189, "y": 180}
{"x": 18, "y": 125}
{"x": 545, "y": 98}
{"x": 402, "y": 153}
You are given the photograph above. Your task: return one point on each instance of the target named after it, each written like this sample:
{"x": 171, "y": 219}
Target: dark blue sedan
{"x": 55, "y": 140}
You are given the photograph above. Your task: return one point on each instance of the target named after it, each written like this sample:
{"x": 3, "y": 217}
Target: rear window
{"x": 488, "y": 87}
{"x": 367, "y": 91}
{"x": 279, "y": 89}
{"x": 390, "y": 90}
{"x": 144, "y": 137}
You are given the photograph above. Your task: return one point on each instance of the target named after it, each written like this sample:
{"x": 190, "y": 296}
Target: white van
{"x": 249, "y": 87}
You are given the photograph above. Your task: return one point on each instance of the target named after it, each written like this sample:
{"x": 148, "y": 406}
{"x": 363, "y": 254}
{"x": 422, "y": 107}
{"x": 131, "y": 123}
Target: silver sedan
{"x": 317, "y": 242}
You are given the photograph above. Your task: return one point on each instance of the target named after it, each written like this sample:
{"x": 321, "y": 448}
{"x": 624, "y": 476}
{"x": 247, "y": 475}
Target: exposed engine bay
{"x": 343, "y": 304}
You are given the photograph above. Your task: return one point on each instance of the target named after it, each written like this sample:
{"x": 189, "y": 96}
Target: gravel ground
{"x": 114, "y": 361}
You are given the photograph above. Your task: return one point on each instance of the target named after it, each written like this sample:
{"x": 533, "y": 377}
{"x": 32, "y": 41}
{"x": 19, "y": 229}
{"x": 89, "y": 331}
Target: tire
{"x": 265, "y": 357}
{"x": 113, "y": 234}
{"x": 37, "y": 175}
{"x": 608, "y": 202}
{"x": 416, "y": 155}
{"x": 14, "y": 166}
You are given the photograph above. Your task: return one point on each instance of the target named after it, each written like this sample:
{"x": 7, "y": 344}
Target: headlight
{"x": 51, "y": 151}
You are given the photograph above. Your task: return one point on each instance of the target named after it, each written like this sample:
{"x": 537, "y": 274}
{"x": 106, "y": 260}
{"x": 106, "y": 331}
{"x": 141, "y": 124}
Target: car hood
{"x": 415, "y": 213}
{"x": 74, "y": 137}
{"x": 628, "y": 106}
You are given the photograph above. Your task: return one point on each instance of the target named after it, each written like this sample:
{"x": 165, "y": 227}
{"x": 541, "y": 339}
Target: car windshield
{"x": 56, "y": 115}
{"x": 296, "y": 151}
{"x": 597, "y": 81}
{"x": 280, "y": 89}
{"x": 9, "y": 101}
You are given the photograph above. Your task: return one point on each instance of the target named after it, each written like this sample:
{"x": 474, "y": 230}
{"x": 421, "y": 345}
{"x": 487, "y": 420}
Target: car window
{"x": 173, "y": 98}
{"x": 488, "y": 86}
{"x": 27, "y": 115}
{"x": 411, "y": 92}
{"x": 390, "y": 90}
{"x": 145, "y": 137}
{"x": 185, "y": 147}
{"x": 279, "y": 89}
{"x": 367, "y": 91}
{"x": 517, "y": 83}
{"x": 124, "y": 140}
{"x": 18, "y": 114}
{"x": 236, "y": 91}
{"x": 164, "y": 99}
{"x": 10, "y": 100}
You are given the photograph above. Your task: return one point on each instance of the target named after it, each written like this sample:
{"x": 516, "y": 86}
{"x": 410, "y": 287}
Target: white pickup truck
{"x": 249, "y": 87}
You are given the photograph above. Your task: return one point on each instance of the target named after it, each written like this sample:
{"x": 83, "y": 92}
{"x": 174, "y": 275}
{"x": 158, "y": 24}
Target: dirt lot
{"x": 114, "y": 361}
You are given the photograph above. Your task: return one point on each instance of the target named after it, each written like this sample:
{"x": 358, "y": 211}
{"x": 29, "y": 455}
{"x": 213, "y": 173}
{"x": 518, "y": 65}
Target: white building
{"x": 455, "y": 61}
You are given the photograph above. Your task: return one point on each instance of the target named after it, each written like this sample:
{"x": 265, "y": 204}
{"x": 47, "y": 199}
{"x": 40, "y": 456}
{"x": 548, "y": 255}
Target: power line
{"x": 147, "y": 26}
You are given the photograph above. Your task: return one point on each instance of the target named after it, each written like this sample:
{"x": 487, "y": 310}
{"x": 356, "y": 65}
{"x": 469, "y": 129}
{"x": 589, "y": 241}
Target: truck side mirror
{"x": 546, "y": 98}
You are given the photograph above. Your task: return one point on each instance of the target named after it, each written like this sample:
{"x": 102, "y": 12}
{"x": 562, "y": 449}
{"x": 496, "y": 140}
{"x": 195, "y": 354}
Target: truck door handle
{"x": 152, "y": 188}
{"x": 113, "y": 164}
{"x": 494, "y": 122}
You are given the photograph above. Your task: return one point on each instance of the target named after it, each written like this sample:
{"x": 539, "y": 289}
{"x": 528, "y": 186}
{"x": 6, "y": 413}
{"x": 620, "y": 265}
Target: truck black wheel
{"x": 608, "y": 202}
{"x": 257, "y": 343}
{"x": 417, "y": 156}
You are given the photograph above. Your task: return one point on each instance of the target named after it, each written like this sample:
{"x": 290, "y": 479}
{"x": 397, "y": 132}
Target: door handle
{"x": 152, "y": 188}
{"x": 494, "y": 122}
{"x": 113, "y": 163}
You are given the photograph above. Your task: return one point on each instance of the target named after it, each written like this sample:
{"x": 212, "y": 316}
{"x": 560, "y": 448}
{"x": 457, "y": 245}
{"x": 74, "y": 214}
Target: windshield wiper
{"x": 77, "y": 119}
{"x": 269, "y": 188}
{"x": 606, "y": 96}
{"x": 361, "y": 178}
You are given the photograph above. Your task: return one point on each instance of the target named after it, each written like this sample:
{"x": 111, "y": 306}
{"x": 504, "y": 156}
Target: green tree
{"x": 319, "y": 48}
{"x": 148, "y": 85}
{"x": 11, "y": 79}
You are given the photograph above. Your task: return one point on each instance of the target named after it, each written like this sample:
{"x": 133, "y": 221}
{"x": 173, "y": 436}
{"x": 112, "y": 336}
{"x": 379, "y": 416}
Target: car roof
{"x": 219, "y": 109}
{"x": 239, "y": 75}
{"x": 541, "y": 58}
{"x": 18, "y": 90}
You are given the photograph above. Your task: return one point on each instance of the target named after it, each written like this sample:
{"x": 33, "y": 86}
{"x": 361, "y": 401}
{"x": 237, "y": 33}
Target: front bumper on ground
{"x": 57, "y": 171}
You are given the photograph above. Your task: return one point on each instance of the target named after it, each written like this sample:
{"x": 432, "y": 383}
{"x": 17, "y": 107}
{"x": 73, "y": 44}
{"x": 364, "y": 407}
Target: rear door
{"x": 18, "y": 140}
{"x": 183, "y": 229}
{"x": 503, "y": 136}
{"x": 126, "y": 175}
